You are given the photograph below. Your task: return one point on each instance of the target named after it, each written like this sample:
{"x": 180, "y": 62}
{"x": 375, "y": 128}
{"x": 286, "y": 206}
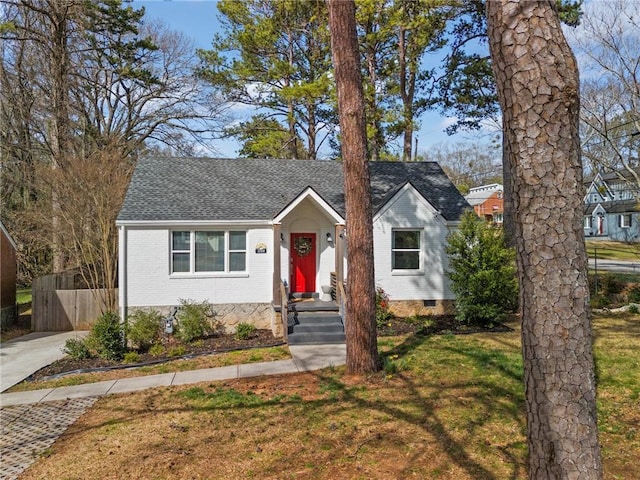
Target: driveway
{"x": 23, "y": 356}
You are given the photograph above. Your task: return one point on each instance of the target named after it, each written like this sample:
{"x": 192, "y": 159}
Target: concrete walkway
{"x": 23, "y": 356}
{"x": 305, "y": 358}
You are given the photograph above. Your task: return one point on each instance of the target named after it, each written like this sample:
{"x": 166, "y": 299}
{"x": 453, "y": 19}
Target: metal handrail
{"x": 284, "y": 311}
{"x": 342, "y": 306}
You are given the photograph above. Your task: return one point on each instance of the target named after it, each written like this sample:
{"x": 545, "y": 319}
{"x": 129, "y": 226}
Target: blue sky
{"x": 198, "y": 19}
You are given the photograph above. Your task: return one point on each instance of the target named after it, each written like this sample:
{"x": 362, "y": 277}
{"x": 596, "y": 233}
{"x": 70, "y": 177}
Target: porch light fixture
{"x": 281, "y": 237}
{"x": 329, "y": 238}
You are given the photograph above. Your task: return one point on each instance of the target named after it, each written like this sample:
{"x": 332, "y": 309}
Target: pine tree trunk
{"x": 362, "y": 349}
{"x": 538, "y": 89}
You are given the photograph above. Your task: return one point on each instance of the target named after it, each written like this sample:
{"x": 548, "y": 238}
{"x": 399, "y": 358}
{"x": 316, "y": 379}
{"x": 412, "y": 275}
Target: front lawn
{"x": 447, "y": 406}
{"x": 613, "y": 250}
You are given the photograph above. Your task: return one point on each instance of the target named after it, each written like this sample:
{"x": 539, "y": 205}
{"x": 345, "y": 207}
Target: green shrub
{"x": 389, "y": 366}
{"x": 483, "y": 272}
{"x": 383, "y": 315}
{"x": 634, "y": 294}
{"x": 131, "y": 357}
{"x": 107, "y": 337}
{"x": 76, "y": 349}
{"x": 608, "y": 284}
{"x": 600, "y": 301}
{"x": 144, "y": 329}
{"x": 177, "y": 351}
{"x": 244, "y": 330}
{"x": 195, "y": 320}
{"x": 156, "y": 350}
{"x": 633, "y": 308}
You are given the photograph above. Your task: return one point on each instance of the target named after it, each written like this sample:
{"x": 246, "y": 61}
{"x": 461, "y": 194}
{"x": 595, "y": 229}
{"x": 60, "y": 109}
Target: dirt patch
{"x": 435, "y": 325}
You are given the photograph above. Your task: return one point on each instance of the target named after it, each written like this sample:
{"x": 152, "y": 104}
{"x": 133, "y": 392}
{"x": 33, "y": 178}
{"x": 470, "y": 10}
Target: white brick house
{"x": 230, "y": 231}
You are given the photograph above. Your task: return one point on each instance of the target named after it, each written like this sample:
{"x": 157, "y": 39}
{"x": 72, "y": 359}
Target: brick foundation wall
{"x": 261, "y": 315}
{"x": 408, "y": 308}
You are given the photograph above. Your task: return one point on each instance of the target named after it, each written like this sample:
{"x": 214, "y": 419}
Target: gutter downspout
{"x": 122, "y": 272}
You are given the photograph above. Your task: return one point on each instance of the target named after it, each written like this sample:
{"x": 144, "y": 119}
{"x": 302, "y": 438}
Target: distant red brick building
{"x": 8, "y": 275}
{"x": 488, "y": 202}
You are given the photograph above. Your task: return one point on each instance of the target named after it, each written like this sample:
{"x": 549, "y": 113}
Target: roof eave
{"x": 181, "y": 223}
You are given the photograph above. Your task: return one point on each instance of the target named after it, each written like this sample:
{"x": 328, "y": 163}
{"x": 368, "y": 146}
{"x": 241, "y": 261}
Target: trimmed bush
{"x": 195, "y": 320}
{"x": 177, "y": 351}
{"x": 157, "y": 350}
{"x": 144, "y": 329}
{"x": 107, "y": 337}
{"x": 76, "y": 349}
{"x": 131, "y": 357}
{"x": 244, "y": 330}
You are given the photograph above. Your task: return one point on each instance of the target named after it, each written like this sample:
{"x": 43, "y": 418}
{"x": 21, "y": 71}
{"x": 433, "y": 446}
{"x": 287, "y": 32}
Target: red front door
{"x": 303, "y": 262}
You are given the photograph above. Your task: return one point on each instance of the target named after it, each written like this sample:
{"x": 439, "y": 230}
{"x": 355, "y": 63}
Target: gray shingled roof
{"x": 201, "y": 189}
{"x": 618, "y": 206}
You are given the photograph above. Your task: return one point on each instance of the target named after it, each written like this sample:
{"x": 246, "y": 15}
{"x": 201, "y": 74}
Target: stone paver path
{"x": 26, "y": 431}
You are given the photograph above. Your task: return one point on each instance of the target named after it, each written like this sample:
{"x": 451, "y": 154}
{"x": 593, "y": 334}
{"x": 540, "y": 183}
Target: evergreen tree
{"x": 275, "y": 55}
{"x": 483, "y": 274}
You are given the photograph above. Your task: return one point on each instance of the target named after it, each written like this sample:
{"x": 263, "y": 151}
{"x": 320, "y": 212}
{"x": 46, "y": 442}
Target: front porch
{"x": 309, "y": 247}
{"x": 311, "y": 321}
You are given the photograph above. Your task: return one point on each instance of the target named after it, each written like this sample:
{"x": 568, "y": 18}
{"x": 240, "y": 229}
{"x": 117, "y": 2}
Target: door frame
{"x": 312, "y": 263}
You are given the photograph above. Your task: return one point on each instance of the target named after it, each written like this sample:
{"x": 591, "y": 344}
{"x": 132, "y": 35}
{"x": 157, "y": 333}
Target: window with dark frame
{"x": 624, "y": 220}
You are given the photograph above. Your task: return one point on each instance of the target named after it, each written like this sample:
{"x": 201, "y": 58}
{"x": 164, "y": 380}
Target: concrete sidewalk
{"x": 23, "y": 356}
{"x": 30, "y": 422}
{"x": 305, "y": 358}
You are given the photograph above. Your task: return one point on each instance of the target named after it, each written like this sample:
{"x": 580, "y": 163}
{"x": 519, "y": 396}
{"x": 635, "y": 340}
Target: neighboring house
{"x": 8, "y": 277}
{"x": 229, "y": 231}
{"x": 611, "y": 208}
{"x": 488, "y": 202}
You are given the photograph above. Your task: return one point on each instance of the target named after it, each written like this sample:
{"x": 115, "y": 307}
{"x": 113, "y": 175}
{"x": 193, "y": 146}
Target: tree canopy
{"x": 607, "y": 45}
{"x": 82, "y": 83}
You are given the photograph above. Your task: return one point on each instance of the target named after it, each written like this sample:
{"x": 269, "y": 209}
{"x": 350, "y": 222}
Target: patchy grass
{"x": 207, "y": 361}
{"x": 613, "y": 250}
{"x": 453, "y": 409}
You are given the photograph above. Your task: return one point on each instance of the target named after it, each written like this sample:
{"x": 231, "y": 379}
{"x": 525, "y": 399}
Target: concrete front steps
{"x": 315, "y": 328}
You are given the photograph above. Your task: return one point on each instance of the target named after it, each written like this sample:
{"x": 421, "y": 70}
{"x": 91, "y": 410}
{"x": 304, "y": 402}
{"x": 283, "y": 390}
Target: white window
{"x": 588, "y": 221}
{"x": 624, "y": 220}
{"x": 405, "y": 249}
{"x": 498, "y": 217}
{"x": 208, "y": 251}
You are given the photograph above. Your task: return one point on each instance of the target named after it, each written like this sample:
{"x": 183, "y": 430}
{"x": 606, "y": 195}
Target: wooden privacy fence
{"x": 60, "y": 304}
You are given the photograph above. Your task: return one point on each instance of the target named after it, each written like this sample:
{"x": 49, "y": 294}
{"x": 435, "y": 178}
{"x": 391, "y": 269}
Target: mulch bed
{"x": 261, "y": 338}
{"x": 215, "y": 344}
{"x": 437, "y": 325}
